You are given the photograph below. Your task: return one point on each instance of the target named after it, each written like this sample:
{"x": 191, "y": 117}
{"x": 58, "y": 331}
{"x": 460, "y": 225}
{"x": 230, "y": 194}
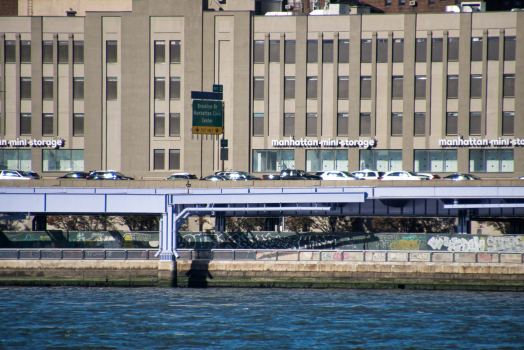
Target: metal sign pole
{"x": 223, "y": 132}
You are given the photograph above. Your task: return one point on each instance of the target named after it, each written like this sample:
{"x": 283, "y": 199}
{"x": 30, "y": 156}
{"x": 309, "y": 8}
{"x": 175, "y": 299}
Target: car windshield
{"x": 410, "y": 173}
{"x": 118, "y": 174}
{"x": 473, "y": 177}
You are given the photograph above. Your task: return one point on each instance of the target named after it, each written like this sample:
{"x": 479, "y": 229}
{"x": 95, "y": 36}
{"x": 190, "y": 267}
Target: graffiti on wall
{"x": 478, "y": 244}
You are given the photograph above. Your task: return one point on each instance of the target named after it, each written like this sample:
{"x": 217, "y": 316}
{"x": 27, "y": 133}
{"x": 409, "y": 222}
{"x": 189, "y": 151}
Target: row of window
{"x": 48, "y": 127}
{"x": 159, "y": 159}
{"x": 366, "y": 50}
{"x": 52, "y": 159}
{"x": 480, "y": 160}
{"x": 160, "y": 124}
{"x": 364, "y": 124}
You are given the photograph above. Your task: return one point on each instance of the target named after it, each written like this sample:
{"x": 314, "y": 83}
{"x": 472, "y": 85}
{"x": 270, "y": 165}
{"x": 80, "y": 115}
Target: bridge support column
{"x": 220, "y": 223}
{"x": 39, "y": 223}
{"x": 464, "y": 223}
{"x": 166, "y": 241}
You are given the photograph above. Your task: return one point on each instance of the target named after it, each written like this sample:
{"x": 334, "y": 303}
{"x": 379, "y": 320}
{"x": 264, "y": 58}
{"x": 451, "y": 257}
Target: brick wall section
{"x": 8, "y": 7}
{"x": 422, "y": 6}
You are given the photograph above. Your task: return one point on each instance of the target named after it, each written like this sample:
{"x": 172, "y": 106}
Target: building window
{"x": 452, "y": 86}
{"x": 436, "y": 50}
{"x": 111, "y": 52}
{"x": 273, "y": 160}
{"x": 289, "y": 87}
{"x": 420, "y": 124}
{"x": 312, "y": 51}
{"x": 47, "y": 52}
{"x": 420, "y": 86}
{"x": 365, "y": 124}
{"x": 421, "y": 50}
{"x": 258, "y": 124}
{"x": 343, "y": 88}
{"x": 63, "y": 160}
{"x": 174, "y": 51}
{"x": 382, "y": 50}
{"x": 491, "y": 160}
{"x": 401, "y": 2}
{"x": 343, "y": 51}
{"x": 10, "y": 51}
{"x": 311, "y": 124}
{"x": 63, "y": 52}
{"x": 398, "y": 50}
{"x": 25, "y": 88}
{"x": 160, "y": 124}
{"x": 174, "y": 124}
{"x": 435, "y": 161}
{"x": 47, "y": 124}
{"x": 476, "y": 49}
{"x": 289, "y": 124}
{"x": 387, "y": 2}
{"x": 398, "y": 87}
{"x": 111, "y": 88}
{"x": 258, "y": 88}
{"x": 289, "y": 51}
{"x": 15, "y": 159}
{"x": 431, "y": 2}
{"x": 510, "y": 43}
{"x": 174, "y": 88}
{"x": 311, "y": 87}
{"x": 259, "y": 51}
{"x": 174, "y": 159}
{"x": 475, "y": 125}
{"x": 507, "y": 123}
{"x": 366, "y": 50}
{"x": 274, "y": 50}
{"x": 159, "y": 159}
{"x": 78, "y": 52}
{"x": 452, "y": 123}
{"x": 493, "y": 48}
{"x": 160, "y": 88}
{"x": 365, "y": 88}
{"x": 509, "y": 85}
{"x": 327, "y": 51}
{"x": 318, "y": 160}
{"x": 78, "y": 124}
{"x": 476, "y": 86}
{"x": 47, "y": 88}
{"x": 342, "y": 124}
{"x": 25, "y": 124}
{"x": 396, "y": 124}
{"x": 78, "y": 88}
{"x": 381, "y": 160}
{"x": 160, "y": 51}
{"x": 453, "y": 49}
{"x": 25, "y": 51}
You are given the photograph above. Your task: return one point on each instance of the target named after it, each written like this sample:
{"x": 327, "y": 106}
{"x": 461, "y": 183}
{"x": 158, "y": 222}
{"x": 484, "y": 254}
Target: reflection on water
{"x": 108, "y": 318}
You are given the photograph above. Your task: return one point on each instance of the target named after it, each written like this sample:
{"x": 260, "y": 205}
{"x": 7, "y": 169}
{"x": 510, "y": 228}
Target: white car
{"x": 335, "y": 175}
{"x": 402, "y": 175}
{"x": 14, "y": 175}
{"x": 365, "y": 174}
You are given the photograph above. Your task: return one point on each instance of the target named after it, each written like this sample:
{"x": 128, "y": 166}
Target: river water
{"x": 151, "y": 318}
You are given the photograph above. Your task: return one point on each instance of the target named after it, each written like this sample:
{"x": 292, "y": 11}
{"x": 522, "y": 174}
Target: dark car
{"x": 461, "y": 177}
{"x": 214, "y": 178}
{"x": 75, "y": 175}
{"x": 237, "y": 175}
{"x": 33, "y": 174}
{"x": 292, "y": 174}
{"x": 107, "y": 175}
{"x": 182, "y": 176}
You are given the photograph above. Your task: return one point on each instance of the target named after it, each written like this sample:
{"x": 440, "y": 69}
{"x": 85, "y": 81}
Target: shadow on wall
{"x": 198, "y": 274}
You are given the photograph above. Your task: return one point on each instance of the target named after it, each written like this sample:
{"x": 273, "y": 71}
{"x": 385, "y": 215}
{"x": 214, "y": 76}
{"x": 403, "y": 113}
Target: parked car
{"x": 461, "y": 177}
{"x": 214, "y": 178}
{"x": 365, "y": 174}
{"x": 335, "y": 175}
{"x": 33, "y": 174}
{"x": 292, "y": 174}
{"x": 402, "y": 175}
{"x": 14, "y": 175}
{"x": 430, "y": 176}
{"x": 184, "y": 176}
{"x": 107, "y": 175}
{"x": 237, "y": 175}
{"x": 271, "y": 177}
{"x": 75, "y": 175}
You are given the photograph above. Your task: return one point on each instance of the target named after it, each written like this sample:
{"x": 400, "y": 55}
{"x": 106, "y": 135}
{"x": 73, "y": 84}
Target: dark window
{"x": 398, "y": 50}
{"x": 159, "y": 159}
{"x": 312, "y": 51}
{"x": 311, "y": 124}
{"x": 259, "y": 51}
{"x": 63, "y": 52}
{"x": 78, "y": 52}
{"x": 47, "y": 124}
{"x": 111, "y": 88}
{"x": 493, "y": 48}
{"x": 10, "y": 51}
{"x": 431, "y": 2}
{"x": 510, "y": 43}
{"x": 342, "y": 124}
{"x": 25, "y": 124}
{"x": 452, "y": 123}
{"x": 365, "y": 124}
{"x": 78, "y": 88}
{"x": 289, "y": 124}
{"x": 398, "y": 87}
{"x": 452, "y": 86}
{"x": 274, "y": 51}
{"x": 47, "y": 52}
{"x": 174, "y": 159}
{"x": 401, "y": 2}
{"x": 327, "y": 51}
{"x": 343, "y": 88}
{"x": 421, "y": 50}
{"x": 507, "y": 123}
{"x": 289, "y": 87}
{"x": 366, "y": 50}
{"x": 476, "y": 49}
{"x": 25, "y": 51}
{"x": 420, "y": 86}
{"x": 387, "y": 2}
{"x": 47, "y": 89}
{"x": 453, "y": 49}
{"x": 25, "y": 88}
{"x": 311, "y": 87}
{"x": 174, "y": 88}
{"x": 365, "y": 88}
{"x": 475, "y": 123}
{"x": 382, "y": 50}
{"x": 174, "y": 51}
{"x": 258, "y": 88}
{"x": 111, "y": 52}
{"x": 289, "y": 53}
{"x": 160, "y": 88}
{"x": 343, "y": 51}
{"x": 174, "y": 124}
{"x": 160, "y": 124}
{"x": 160, "y": 51}
{"x": 436, "y": 50}
{"x": 258, "y": 124}
{"x": 78, "y": 124}
{"x": 509, "y": 85}
{"x": 420, "y": 124}
{"x": 396, "y": 124}
{"x": 476, "y": 86}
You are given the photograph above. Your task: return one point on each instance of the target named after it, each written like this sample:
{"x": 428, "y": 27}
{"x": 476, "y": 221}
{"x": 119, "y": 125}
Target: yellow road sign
{"x": 213, "y": 130}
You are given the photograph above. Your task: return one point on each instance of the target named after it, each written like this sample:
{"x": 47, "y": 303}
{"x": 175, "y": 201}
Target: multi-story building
{"x": 112, "y": 90}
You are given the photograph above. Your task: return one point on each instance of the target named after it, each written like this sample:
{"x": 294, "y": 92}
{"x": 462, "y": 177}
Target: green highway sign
{"x": 218, "y": 88}
{"x": 207, "y": 117}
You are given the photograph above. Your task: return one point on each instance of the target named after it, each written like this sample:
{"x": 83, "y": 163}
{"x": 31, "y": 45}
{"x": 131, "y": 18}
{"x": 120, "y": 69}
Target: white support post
{"x": 167, "y": 237}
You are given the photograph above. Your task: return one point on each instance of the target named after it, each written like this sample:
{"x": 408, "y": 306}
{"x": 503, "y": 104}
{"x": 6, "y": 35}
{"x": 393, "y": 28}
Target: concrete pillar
{"x": 167, "y": 274}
